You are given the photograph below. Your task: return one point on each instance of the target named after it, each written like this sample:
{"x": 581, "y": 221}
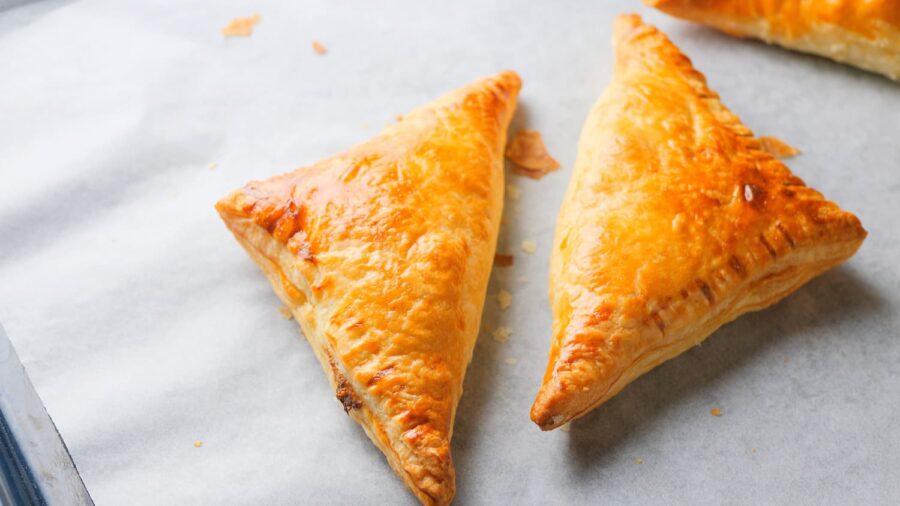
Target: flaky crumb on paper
{"x": 502, "y": 260}
{"x": 212, "y": 166}
{"x": 777, "y": 147}
{"x": 529, "y": 155}
{"x": 715, "y": 412}
{"x": 638, "y": 461}
{"x": 241, "y": 27}
{"x": 504, "y": 299}
{"x": 285, "y": 312}
{"x": 198, "y": 443}
{"x": 529, "y": 246}
{"x": 501, "y": 335}
{"x": 513, "y": 192}
{"x": 319, "y": 48}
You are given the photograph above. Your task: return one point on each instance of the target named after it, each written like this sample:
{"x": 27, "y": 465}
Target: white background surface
{"x": 145, "y": 327}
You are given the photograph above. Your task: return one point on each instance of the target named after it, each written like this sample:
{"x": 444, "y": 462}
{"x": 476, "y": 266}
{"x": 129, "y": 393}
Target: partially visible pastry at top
{"x": 863, "y": 33}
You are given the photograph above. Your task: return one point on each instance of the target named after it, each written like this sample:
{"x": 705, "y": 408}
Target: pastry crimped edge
{"x": 430, "y": 476}
{"x": 728, "y": 292}
{"x": 836, "y": 39}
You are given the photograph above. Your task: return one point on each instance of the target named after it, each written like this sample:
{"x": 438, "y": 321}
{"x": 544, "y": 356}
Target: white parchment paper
{"x": 146, "y": 328}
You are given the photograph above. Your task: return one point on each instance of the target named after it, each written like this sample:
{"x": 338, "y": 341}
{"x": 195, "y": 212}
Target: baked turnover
{"x": 864, "y": 33}
{"x": 675, "y": 222}
{"x": 383, "y": 253}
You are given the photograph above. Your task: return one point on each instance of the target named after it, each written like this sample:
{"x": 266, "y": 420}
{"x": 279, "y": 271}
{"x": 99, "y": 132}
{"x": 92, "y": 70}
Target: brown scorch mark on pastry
{"x": 707, "y": 291}
{"x": 378, "y": 375}
{"x": 786, "y": 235}
{"x": 660, "y": 324}
{"x": 754, "y": 195}
{"x": 529, "y": 155}
{"x": 736, "y": 264}
{"x": 768, "y": 246}
{"x": 345, "y": 394}
{"x": 344, "y": 391}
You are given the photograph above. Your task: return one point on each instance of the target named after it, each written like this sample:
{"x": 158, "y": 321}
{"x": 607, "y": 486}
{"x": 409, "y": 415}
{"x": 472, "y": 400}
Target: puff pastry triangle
{"x": 674, "y": 223}
{"x": 864, "y": 33}
{"x": 383, "y": 255}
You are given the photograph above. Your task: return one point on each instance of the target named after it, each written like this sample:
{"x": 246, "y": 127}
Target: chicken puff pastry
{"x": 864, "y": 33}
{"x": 675, "y": 222}
{"x": 383, "y": 253}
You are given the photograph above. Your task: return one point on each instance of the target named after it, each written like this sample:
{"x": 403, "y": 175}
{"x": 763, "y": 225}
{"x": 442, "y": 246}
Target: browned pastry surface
{"x": 864, "y": 33}
{"x": 383, "y": 255}
{"x": 674, "y": 223}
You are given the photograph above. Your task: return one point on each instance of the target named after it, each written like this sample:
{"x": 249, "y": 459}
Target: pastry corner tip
{"x": 427, "y": 469}
{"x": 544, "y": 415}
{"x": 224, "y": 206}
{"x": 508, "y": 82}
{"x": 624, "y": 23}
{"x": 629, "y": 29}
{"x": 512, "y": 77}
{"x": 435, "y": 492}
{"x": 228, "y": 206}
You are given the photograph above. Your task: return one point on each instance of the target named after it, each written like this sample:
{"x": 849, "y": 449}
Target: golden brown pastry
{"x": 383, "y": 254}
{"x": 864, "y": 33}
{"x": 675, "y": 222}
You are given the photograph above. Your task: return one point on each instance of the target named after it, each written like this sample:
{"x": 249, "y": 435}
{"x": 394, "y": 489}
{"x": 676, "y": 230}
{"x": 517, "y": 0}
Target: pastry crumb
{"x": 513, "y": 192}
{"x": 512, "y": 361}
{"x": 503, "y": 260}
{"x": 504, "y": 299}
{"x": 529, "y": 247}
{"x": 715, "y": 412}
{"x": 777, "y": 147}
{"x": 638, "y": 461}
{"x": 212, "y": 166}
{"x": 753, "y": 451}
{"x": 286, "y": 313}
{"x": 399, "y": 118}
{"x": 529, "y": 155}
{"x": 319, "y": 48}
{"x": 501, "y": 335}
{"x": 198, "y": 443}
{"x": 241, "y": 27}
